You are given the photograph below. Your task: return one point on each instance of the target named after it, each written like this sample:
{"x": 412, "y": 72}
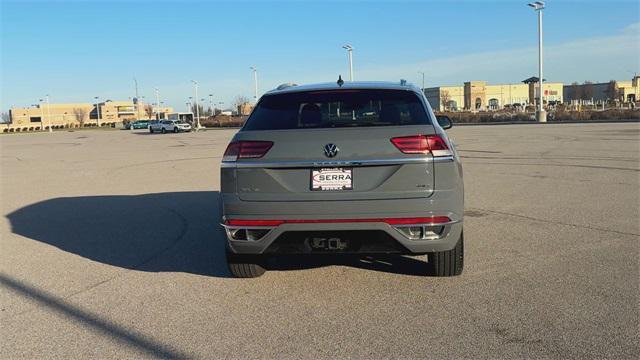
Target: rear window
{"x": 337, "y": 108}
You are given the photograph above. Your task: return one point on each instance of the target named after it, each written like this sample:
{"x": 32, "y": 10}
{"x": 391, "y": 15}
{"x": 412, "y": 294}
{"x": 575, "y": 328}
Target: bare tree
{"x": 148, "y": 109}
{"x": 575, "y": 91}
{"x": 587, "y": 90}
{"x": 6, "y": 118}
{"x": 240, "y": 100}
{"x": 613, "y": 91}
{"x": 445, "y": 98}
{"x": 200, "y": 109}
{"x": 80, "y": 114}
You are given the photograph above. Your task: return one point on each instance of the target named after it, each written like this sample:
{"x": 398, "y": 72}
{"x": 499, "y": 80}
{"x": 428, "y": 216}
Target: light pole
{"x": 41, "y": 114}
{"x": 349, "y": 48}
{"x": 255, "y": 82}
{"x": 195, "y": 84}
{"x": 49, "y": 112}
{"x": 157, "y": 103}
{"x": 422, "y": 72}
{"x": 211, "y": 104}
{"x": 135, "y": 102}
{"x": 541, "y": 115}
{"x": 98, "y": 110}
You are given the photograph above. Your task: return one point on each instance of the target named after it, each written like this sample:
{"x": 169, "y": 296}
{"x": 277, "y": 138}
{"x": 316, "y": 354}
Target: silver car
{"x": 349, "y": 168}
{"x": 165, "y": 126}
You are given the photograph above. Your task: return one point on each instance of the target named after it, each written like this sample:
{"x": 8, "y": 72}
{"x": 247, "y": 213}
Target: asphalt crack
{"x": 557, "y": 222}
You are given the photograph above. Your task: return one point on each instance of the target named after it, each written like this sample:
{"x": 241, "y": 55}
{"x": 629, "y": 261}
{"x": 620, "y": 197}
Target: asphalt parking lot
{"x": 110, "y": 248}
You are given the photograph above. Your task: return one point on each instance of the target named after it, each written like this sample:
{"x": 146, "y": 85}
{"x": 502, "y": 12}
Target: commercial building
{"x": 478, "y": 96}
{"x": 245, "y": 109}
{"x": 43, "y": 115}
{"x": 596, "y": 93}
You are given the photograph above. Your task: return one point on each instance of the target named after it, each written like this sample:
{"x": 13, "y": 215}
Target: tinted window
{"x": 337, "y": 108}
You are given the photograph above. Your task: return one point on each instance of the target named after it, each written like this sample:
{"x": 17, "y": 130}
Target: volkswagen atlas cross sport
{"x": 351, "y": 168}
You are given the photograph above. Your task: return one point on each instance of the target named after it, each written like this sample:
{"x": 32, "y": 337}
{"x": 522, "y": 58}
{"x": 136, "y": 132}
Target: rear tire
{"x": 150, "y": 130}
{"x": 245, "y": 266}
{"x": 164, "y": 131}
{"x": 448, "y": 263}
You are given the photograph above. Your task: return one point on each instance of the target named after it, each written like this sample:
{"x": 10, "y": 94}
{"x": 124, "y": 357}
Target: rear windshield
{"x": 337, "y": 108}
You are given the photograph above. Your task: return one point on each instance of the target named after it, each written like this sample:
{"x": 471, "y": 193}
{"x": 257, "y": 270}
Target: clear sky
{"x": 77, "y": 50}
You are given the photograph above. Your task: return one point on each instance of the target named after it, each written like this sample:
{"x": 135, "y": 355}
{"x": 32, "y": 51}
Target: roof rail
{"x": 285, "y": 85}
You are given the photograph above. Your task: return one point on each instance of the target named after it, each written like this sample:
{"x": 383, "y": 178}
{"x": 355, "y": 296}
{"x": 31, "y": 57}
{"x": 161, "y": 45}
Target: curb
{"x": 547, "y": 123}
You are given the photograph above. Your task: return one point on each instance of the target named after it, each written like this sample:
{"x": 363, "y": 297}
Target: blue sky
{"x": 77, "y": 50}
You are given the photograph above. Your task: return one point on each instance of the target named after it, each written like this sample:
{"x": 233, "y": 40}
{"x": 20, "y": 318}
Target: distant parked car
{"x": 164, "y": 126}
{"x": 138, "y": 124}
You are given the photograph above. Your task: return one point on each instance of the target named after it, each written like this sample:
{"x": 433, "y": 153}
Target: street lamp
{"x": 98, "y": 110}
{"x": 49, "y": 112}
{"x": 41, "y": 114}
{"x": 422, "y": 72}
{"x": 195, "y": 84}
{"x": 213, "y": 111}
{"x": 349, "y": 48}
{"x": 255, "y": 81}
{"x": 541, "y": 115}
{"x": 157, "y": 103}
{"x": 204, "y": 113}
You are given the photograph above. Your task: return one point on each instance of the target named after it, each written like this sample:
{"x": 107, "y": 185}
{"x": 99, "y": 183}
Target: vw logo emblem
{"x": 331, "y": 150}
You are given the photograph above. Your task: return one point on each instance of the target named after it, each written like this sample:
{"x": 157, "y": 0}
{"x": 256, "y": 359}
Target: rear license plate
{"x": 331, "y": 179}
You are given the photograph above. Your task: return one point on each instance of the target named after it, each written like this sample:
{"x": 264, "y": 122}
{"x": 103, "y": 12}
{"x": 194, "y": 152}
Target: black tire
{"x": 150, "y": 129}
{"x": 164, "y": 131}
{"x": 175, "y": 130}
{"x": 245, "y": 266}
{"x": 448, "y": 263}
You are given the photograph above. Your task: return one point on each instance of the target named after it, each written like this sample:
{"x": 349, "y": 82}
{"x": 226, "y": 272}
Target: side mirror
{"x": 444, "y": 121}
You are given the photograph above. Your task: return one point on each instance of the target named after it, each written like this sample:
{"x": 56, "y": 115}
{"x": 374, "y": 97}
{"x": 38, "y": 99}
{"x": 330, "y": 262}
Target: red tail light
{"x": 246, "y": 150}
{"x": 422, "y": 144}
{"x": 416, "y": 144}
{"x": 390, "y": 221}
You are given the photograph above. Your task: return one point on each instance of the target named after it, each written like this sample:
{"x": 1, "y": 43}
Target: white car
{"x": 165, "y": 126}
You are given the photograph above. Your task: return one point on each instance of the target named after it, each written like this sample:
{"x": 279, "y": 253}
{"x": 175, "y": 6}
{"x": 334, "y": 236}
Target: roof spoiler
{"x": 285, "y": 85}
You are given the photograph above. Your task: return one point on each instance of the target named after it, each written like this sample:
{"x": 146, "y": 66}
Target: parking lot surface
{"x": 110, "y": 248}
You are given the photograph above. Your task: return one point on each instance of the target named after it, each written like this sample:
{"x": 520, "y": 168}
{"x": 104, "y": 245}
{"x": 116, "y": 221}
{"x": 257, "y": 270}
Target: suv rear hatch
{"x": 298, "y": 146}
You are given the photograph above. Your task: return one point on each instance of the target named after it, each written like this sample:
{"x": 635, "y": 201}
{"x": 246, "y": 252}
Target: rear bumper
{"x": 447, "y": 203}
{"x": 447, "y": 241}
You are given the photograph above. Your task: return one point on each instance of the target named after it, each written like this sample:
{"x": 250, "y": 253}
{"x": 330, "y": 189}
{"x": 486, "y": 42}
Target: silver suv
{"x": 165, "y": 126}
{"x": 354, "y": 168}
